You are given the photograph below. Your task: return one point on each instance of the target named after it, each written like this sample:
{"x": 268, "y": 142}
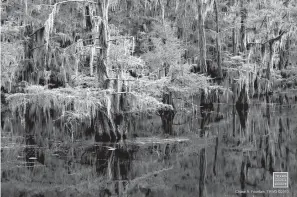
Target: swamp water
{"x": 214, "y": 152}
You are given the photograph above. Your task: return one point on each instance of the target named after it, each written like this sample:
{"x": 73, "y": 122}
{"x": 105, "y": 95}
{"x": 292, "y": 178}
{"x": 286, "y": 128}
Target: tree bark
{"x": 234, "y": 37}
{"x": 270, "y": 62}
{"x": 243, "y": 15}
{"x": 243, "y": 99}
{"x": 202, "y": 41}
{"x": 284, "y": 55}
{"x": 234, "y": 43}
{"x": 218, "y": 44}
{"x": 28, "y": 53}
{"x": 167, "y": 116}
{"x": 270, "y": 44}
{"x": 103, "y": 43}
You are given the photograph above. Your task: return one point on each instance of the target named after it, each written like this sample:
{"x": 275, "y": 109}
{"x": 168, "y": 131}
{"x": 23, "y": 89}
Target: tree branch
{"x": 271, "y": 41}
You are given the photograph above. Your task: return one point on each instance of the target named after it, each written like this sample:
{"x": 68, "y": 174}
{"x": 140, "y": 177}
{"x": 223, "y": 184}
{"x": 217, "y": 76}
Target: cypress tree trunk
{"x": 234, "y": 43}
{"x": 243, "y": 15}
{"x": 202, "y": 41}
{"x": 103, "y": 43}
{"x": 218, "y": 44}
{"x": 269, "y": 44}
{"x": 270, "y": 62}
{"x": 284, "y": 55}
{"x": 243, "y": 97}
{"x": 28, "y": 54}
{"x": 234, "y": 37}
{"x": 167, "y": 116}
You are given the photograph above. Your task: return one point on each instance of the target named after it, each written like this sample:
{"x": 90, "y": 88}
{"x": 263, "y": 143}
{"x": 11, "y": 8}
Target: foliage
{"x": 146, "y": 103}
{"x": 163, "y": 47}
{"x": 11, "y": 59}
{"x": 59, "y": 99}
{"x": 121, "y": 50}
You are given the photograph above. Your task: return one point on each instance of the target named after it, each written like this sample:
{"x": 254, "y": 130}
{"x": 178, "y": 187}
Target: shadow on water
{"x": 217, "y": 151}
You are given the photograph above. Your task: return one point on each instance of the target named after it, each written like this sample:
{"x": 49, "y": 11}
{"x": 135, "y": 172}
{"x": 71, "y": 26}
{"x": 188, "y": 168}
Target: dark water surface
{"x": 214, "y": 152}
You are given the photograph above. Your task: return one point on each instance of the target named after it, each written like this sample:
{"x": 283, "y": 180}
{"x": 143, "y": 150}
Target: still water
{"x": 212, "y": 152}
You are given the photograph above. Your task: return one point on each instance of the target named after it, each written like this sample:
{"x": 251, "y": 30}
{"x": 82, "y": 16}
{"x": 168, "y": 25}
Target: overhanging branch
{"x": 271, "y": 41}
